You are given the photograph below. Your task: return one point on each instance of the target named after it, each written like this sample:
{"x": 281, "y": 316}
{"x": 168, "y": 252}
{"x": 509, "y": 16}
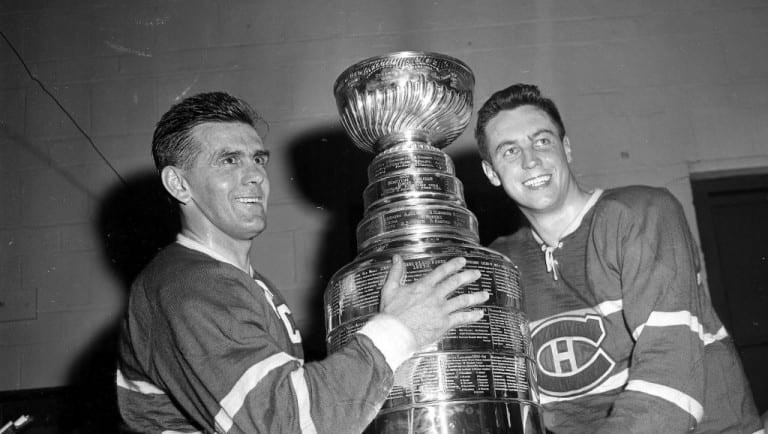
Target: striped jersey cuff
{"x": 395, "y": 341}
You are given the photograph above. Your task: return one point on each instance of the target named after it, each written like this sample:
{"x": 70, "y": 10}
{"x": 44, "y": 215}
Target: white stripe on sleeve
{"x": 709, "y": 338}
{"x": 395, "y": 341}
{"x": 235, "y": 399}
{"x": 616, "y": 381}
{"x": 604, "y": 309}
{"x": 681, "y": 318}
{"x": 680, "y": 399}
{"x": 302, "y": 398}
{"x": 608, "y": 307}
{"x": 137, "y": 386}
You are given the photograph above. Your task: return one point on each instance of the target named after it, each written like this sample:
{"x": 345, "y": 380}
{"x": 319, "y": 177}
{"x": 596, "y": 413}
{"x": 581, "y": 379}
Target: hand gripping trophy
{"x": 480, "y": 378}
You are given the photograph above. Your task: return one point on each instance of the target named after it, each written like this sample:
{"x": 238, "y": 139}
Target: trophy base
{"x": 463, "y": 417}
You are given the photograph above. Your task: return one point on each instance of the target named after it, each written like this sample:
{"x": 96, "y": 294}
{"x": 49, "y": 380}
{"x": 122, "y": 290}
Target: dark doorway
{"x": 732, "y": 213}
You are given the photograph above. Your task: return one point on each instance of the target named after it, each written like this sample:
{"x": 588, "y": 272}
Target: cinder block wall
{"x": 651, "y": 91}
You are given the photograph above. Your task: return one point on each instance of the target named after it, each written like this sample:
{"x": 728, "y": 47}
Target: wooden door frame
{"x": 704, "y": 187}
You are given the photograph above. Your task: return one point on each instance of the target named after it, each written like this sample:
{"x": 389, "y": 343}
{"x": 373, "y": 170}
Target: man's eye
{"x": 543, "y": 141}
{"x": 230, "y": 160}
{"x": 261, "y": 160}
{"x": 511, "y": 152}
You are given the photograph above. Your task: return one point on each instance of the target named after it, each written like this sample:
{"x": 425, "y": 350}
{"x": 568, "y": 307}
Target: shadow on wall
{"x": 496, "y": 213}
{"x": 331, "y": 173}
{"x": 135, "y": 221}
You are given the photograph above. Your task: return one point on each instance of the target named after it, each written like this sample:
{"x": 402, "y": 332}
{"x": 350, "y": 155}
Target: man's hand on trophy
{"x": 424, "y": 306}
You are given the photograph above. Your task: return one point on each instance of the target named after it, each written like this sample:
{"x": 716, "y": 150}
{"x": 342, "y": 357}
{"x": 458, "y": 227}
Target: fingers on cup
{"x": 465, "y": 317}
{"x": 455, "y": 281}
{"x": 443, "y": 271}
{"x": 463, "y": 301}
{"x": 395, "y": 274}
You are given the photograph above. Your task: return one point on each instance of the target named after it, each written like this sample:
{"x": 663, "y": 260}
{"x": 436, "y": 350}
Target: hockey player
{"x": 625, "y": 337}
{"x": 209, "y": 345}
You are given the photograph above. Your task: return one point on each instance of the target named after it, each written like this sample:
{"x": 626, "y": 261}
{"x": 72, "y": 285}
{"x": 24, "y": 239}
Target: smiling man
{"x": 209, "y": 345}
{"x": 625, "y": 337}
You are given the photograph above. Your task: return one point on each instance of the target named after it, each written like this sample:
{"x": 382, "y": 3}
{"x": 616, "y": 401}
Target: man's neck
{"x": 234, "y": 252}
{"x": 552, "y": 226}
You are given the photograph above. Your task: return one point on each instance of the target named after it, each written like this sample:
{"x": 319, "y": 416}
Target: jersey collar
{"x": 199, "y": 247}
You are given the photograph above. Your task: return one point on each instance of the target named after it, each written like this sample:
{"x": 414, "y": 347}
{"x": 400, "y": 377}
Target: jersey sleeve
{"x": 655, "y": 257}
{"x": 226, "y": 359}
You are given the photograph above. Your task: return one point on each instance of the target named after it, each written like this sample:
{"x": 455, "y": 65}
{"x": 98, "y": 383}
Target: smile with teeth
{"x": 249, "y": 200}
{"x": 537, "y": 181}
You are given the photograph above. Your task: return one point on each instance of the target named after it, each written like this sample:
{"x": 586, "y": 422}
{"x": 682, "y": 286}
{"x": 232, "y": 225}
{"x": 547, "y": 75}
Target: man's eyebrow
{"x": 222, "y": 153}
{"x": 512, "y": 142}
{"x": 504, "y": 144}
{"x": 262, "y": 153}
{"x": 542, "y": 131}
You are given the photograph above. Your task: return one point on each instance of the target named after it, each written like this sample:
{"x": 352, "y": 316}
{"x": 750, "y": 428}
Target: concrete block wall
{"x": 651, "y": 91}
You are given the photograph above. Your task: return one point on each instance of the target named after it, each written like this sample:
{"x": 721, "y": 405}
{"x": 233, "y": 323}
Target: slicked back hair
{"x": 172, "y": 142}
{"x": 510, "y": 98}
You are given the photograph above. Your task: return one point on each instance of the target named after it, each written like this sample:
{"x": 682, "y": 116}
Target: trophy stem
{"x": 416, "y": 137}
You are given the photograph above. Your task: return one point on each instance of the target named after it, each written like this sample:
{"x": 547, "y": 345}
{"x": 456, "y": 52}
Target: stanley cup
{"x": 480, "y": 378}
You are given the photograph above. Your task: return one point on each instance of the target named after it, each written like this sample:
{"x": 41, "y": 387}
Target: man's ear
{"x": 567, "y": 148}
{"x": 491, "y": 173}
{"x": 175, "y": 183}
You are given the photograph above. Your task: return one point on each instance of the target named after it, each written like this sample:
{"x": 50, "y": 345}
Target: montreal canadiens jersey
{"x": 207, "y": 348}
{"x": 625, "y": 337}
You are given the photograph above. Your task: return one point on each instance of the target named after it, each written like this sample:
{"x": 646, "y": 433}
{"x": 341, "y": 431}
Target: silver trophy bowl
{"x": 480, "y": 378}
{"x": 397, "y": 97}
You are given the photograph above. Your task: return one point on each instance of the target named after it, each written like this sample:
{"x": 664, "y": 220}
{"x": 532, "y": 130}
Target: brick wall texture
{"x": 650, "y": 91}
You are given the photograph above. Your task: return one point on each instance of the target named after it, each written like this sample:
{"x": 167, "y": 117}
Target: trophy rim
{"x": 372, "y": 130}
{"x": 400, "y": 55}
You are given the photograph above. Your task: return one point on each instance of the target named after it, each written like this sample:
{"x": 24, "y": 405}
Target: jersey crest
{"x": 568, "y": 354}
{"x": 283, "y": 312}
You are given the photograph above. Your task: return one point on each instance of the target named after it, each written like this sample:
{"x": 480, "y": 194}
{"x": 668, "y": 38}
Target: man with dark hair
{"x": 209, "y": 345}
{"x": 625, "y": 337}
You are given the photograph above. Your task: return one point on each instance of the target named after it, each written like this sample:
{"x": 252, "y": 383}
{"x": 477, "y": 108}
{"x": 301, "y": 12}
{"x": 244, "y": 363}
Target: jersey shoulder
{"x": 178, "y": 270}
{"x": 180, "y": 282}
{"x": 639, "y": 203}
{"x": 637, "y": 197}
{"x": 516, "y": 244}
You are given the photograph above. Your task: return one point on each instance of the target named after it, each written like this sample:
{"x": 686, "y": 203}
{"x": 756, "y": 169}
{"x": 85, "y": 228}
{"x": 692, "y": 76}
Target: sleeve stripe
{"x": 611, "y": 306}
{"x": 235, "y": 399}
{"x": 680, "y": 399}
{"x": 605, "y": 309}
{"x": 304, "y": 404}
{"x": 616, "y": 381}
{"x": 669, "y": 319}
{"x": 709, "y": 338}
{"x": 142, "y": 387}
{"x": 392, "y": 338}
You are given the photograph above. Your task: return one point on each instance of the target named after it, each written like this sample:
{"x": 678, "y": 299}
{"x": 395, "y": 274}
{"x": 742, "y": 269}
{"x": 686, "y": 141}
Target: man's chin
{"x": 258, "y": 230}
{"x": 540, "y": 206}
{"x": 254, "y": 229}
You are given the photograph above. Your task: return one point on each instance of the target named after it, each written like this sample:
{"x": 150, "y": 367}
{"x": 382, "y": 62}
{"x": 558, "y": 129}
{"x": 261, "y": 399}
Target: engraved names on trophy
{"x": 413, "y": 185}
{"x": 425, "y": 158}
{"x": 460, "y": 375}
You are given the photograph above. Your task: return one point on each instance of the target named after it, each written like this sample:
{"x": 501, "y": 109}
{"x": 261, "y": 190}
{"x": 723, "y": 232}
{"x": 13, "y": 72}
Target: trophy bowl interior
{"x": 405, "y": 96}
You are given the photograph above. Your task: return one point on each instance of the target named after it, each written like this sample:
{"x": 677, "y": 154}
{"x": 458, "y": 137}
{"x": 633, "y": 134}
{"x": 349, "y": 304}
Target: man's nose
{"x": 254, "y": 173}
{"x": 530, "y": 158}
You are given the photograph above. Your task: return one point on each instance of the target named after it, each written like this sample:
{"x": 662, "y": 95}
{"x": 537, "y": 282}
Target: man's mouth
{"x": 250, "y": 200}
{"x": 538, "y": 181}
